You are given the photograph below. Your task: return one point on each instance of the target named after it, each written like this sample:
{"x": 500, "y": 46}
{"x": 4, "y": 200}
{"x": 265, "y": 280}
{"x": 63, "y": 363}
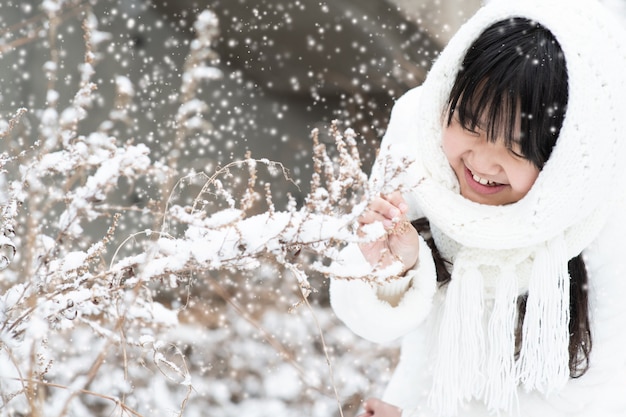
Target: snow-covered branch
{"x": 83, "y": 321}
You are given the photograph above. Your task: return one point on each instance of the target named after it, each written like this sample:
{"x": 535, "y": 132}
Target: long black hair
{"x": 514, "y": 76}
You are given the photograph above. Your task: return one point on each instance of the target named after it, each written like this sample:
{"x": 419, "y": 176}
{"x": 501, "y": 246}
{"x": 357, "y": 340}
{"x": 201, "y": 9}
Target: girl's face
{"x": 488, "y": 172}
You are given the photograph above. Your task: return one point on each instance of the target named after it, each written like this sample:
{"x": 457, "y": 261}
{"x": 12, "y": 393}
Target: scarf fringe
{"x": 500, "y": 391}
{"x": 544, "y": 355}
{"x": 475, "y": 358}
{"x": 459, "y": 364}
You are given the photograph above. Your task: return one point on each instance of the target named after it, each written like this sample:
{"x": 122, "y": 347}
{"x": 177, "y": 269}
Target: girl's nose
{"x": 483, "y": 158}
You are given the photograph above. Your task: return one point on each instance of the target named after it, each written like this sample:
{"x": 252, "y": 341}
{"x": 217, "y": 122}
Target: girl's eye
{"x": 471, "y": 131}
{"x": 467, "y": 127}
{"x": 515, "y": 153}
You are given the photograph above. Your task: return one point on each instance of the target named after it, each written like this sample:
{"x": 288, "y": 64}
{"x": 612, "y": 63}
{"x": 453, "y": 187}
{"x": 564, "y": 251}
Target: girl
{"x": 511, "y": 301}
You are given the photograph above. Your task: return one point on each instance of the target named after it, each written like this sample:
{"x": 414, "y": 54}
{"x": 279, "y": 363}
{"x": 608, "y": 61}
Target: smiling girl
{"x": 517, "y": 190}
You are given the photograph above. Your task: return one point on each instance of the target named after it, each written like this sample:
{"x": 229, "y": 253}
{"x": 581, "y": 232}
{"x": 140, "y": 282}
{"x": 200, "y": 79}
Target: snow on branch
{"x": 81, "y": 327}
{"x": 237, "y": 237}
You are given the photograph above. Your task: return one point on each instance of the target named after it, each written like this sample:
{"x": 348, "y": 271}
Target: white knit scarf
{"x": 525, "y": 246}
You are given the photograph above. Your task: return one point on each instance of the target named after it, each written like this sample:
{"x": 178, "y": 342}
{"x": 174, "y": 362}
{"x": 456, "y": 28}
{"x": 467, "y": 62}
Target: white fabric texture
{"x": 367, "y": 306}
{"x": 461, "y": 361}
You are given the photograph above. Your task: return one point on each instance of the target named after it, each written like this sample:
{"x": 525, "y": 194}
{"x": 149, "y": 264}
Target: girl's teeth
{"x": 482, "y": 180}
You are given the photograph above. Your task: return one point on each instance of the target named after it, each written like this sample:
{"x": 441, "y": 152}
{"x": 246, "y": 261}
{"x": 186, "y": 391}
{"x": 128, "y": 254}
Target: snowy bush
{"x": 207, "y": 312}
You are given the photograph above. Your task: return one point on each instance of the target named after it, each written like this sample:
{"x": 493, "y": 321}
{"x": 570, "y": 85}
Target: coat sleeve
{"x": 398, "y": 149}
{"x": 382, "y": 312}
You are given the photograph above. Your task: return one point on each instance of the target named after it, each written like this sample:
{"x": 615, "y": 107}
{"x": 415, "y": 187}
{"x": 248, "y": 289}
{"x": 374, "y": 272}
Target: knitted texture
{"x": 500, "y": 252}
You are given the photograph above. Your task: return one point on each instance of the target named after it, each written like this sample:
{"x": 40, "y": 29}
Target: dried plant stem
{"x": 331, "y": 373}
{"x": 93, "y": 371}
{"x": 33, "y": 34}
{"x": 117, "y": 401}
{"x": 221, "y": 291}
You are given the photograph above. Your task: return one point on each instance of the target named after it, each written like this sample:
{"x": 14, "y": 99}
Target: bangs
{"x": 513, "y": 86}
{"x": 491, "y": 107}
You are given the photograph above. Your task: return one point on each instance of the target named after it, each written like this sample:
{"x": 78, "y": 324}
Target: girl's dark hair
{"x": 515, "y": 70}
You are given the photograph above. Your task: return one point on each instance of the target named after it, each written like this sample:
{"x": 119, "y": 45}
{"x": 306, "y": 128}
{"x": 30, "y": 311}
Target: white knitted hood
{"x": 580, "y": 175}
{"x": 561, "y": 214}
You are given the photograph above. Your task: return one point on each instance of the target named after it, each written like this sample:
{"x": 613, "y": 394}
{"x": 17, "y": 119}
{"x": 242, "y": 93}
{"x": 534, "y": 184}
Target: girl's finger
{"x": 369, "y": 405}
{"x": 370, "y": 216}
{"x": 385, "y": 207}
{"x": 397, "y": 200}
{"x": 375, "y": 407}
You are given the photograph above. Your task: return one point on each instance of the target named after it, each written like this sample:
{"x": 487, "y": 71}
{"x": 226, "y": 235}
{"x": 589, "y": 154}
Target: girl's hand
{"x": 401, "y": 240}
{"x": 377, "y": 408}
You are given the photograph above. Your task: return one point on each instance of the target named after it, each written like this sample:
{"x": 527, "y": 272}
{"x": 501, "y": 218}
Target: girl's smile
{"x": 482, "y": 185}
{"x": 488, "y": 172}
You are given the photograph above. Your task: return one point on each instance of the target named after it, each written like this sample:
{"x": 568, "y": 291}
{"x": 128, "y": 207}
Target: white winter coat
{"x": 599, "y": 392}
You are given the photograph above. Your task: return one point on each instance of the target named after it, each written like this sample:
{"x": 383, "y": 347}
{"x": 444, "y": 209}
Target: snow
{"x": 202, "y": 73}
{"x": 51, "y": 6}
{"x": 124, "y": 85}
{"x": 52, "y": 96}
{"x": 73, "y": 260}
{"x": 124, "y": 286}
